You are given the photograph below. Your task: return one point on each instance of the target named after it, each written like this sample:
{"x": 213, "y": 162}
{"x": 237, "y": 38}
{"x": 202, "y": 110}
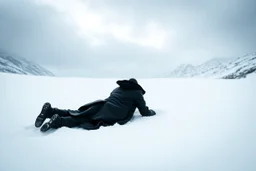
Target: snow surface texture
{"x": 201, "y": 125}
{"x": 12, "y": 64}
{"x": 219, "y": 68}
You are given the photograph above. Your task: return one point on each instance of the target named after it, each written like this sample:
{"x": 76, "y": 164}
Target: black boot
{"x": 46, "y": 112}
{"x": 55, "y": 122}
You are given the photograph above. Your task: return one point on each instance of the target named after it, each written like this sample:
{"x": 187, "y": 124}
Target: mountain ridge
{"x": 10, "y": 63}
{"x": 236, "y": 68}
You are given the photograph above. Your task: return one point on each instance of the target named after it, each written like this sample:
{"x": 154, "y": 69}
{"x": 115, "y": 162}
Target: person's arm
{"x": 141, "y": 105}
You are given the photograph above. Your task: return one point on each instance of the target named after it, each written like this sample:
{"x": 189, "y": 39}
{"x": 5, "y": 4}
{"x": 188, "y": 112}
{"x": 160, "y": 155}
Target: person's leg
{"x": 47, "y": 112}
{"x": 73, "y": 121}
{"x": 89, "y": 112}
{"x": 85, "y": 116}
{"x": 57, "y": 121}
{"x": 63, "y": 118}
{"x": 61, "y": 112}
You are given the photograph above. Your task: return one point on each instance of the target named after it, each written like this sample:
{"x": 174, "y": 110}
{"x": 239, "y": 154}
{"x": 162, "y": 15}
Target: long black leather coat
{"x": 119, "y": 107}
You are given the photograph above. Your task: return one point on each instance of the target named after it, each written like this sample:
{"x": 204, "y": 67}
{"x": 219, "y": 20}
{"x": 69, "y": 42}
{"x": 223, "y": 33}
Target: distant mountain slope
{"x": 219, "y": 68}
{"x": 17, "y": 65}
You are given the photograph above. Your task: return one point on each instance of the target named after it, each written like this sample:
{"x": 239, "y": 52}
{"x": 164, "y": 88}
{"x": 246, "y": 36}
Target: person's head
{"x": 132, "y": 83}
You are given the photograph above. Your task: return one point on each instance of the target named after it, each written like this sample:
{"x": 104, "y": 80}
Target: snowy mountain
{"x": 219, "y": 68}
{"x": 200, "y": 125}
{"x": 17, "y": 65}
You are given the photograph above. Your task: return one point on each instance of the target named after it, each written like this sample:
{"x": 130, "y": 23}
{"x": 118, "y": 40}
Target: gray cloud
{"x": 201, "y": 30}
{"x": 38, "y": 33}
{"x": 202, "y": 24}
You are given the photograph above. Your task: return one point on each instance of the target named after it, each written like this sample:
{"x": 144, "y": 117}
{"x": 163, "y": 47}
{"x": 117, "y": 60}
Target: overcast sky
{"x": 126, "y": 38}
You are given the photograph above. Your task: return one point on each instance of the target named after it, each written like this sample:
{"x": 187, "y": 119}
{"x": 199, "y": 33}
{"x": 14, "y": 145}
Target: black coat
{"x": 119, "y": 107}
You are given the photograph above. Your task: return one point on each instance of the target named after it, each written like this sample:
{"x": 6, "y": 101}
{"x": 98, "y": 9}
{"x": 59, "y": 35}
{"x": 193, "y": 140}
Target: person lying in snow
{"x": 119, "y": 108}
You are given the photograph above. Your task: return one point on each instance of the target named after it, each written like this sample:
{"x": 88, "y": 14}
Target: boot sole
{"x": 50, "y": 124}
{"x": 42, "y": 116}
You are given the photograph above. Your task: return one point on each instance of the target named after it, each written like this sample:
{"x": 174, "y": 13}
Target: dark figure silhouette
{"x": 119, "y": 108}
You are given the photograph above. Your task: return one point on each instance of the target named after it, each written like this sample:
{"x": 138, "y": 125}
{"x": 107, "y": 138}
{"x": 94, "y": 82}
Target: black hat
{"x": 131, "y": 84}
{"x": 133, "y": 80}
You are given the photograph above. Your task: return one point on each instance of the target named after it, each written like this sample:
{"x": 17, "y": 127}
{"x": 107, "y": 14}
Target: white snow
{"x": 201, "y": 125}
